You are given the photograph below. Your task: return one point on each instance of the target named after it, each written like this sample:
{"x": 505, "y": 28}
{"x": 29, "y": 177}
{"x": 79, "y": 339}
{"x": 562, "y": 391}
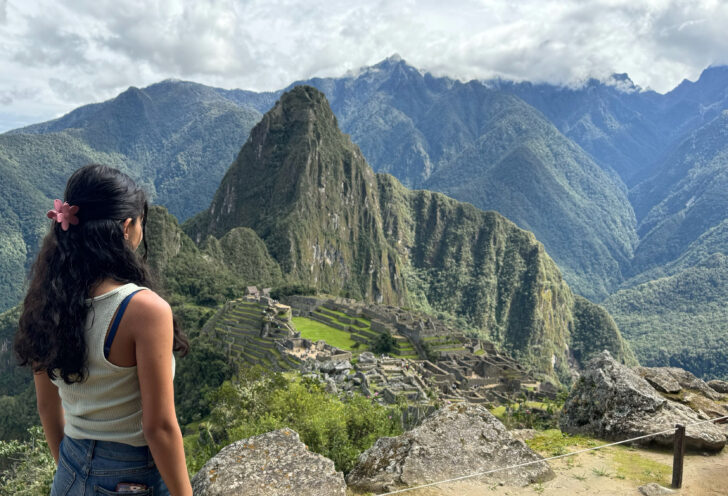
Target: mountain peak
{"x": 622, "y": 82}
{"x": 707, "y": 88}
{"x": 395, "y": 57}
{"x": 305, "y": 109}
{"x": 304, "y": 96}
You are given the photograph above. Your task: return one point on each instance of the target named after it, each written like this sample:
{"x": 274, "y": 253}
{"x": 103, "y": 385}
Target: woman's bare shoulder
{"x": 147, "y": 309}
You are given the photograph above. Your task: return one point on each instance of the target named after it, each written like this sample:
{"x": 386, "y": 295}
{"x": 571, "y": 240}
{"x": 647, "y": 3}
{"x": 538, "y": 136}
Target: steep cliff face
{"x": 481, "y": 267}
{"x": 306, "y": 190}
{"x": 330, "y": 222}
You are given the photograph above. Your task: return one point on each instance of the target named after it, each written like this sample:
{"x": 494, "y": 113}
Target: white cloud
{"x": 78, "y": 51}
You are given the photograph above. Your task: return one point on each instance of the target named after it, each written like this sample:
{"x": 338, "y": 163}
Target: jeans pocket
{"x": 105, "y": 492}
{"x": 64, "y": 478}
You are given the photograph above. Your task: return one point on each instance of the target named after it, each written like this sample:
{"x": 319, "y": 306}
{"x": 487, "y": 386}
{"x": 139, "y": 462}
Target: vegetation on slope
{"x": 254, "y": 403}
{"x": 685, "y": 198}
{"x": 679, "y": 320}
{"x": 306, "y": 190}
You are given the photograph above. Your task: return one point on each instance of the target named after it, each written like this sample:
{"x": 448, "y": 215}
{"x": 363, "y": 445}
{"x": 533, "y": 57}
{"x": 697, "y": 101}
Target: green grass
{"x": 553, "y": 442}
{"x": 341, "y": 314}
{"x": 628, "y": 463}
{"x": 631, "y": 465}
{"x": 315, "y": 331}
{"x": 412, "y": 356}
{"x": 356, "y": 323}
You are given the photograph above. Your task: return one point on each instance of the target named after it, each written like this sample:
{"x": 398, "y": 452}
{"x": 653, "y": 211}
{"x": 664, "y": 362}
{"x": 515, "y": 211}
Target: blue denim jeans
{"x": 89, "y": 468}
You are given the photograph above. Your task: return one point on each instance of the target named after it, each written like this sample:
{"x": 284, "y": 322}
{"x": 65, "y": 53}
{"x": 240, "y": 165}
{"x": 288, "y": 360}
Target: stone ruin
{"x": 456, "y": 369}
{"x": 434, "y": 361}
{"x": 258, "y": 329}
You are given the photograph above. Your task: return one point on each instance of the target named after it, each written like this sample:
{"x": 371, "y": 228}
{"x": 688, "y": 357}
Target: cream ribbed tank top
{"x": 107, "y": 405}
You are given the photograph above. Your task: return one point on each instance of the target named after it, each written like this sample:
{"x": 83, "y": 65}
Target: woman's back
{"x": 107, "y": 405}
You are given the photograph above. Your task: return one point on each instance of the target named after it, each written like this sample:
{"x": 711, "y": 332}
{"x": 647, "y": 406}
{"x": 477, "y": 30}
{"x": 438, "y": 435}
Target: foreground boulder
{"x": 613, "y": 402}
{"x": 275, "y": 464}
{"x": 454, "y": 441}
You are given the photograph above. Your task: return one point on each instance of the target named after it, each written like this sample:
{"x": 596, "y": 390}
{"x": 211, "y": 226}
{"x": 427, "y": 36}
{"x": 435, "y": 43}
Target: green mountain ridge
{"x": 169, "y": 137}
{"x": 427, "y": 131}
{"x": 686, "y": 198}
{"x": 689, "y": 309}
{"x": 525, "y": 169}
{"x": 331, "y": 223}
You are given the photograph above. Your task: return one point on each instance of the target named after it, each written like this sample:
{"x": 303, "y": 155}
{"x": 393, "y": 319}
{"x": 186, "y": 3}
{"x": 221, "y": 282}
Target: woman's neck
{"x": 104, "y": 286}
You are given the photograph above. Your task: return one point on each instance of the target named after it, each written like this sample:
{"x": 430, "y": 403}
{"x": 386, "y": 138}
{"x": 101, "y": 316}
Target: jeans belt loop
{"x": 90, "y": 455}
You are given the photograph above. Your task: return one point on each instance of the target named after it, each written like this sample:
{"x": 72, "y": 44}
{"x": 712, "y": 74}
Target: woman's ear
{"x": 127, "y": 224}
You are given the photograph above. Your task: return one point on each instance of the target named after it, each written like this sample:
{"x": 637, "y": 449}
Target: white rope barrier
{"x": 544, "y": 460}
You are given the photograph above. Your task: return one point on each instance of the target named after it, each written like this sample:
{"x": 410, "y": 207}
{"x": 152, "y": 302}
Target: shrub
{"x": 337, "y": 428}
{"x": 26, "y": 467}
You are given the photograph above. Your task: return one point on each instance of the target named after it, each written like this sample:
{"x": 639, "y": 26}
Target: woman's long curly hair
{"x": 70, "y": 263}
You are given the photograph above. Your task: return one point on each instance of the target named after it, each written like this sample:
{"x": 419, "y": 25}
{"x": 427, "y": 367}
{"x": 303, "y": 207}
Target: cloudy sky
{"x": 56, "y": 55}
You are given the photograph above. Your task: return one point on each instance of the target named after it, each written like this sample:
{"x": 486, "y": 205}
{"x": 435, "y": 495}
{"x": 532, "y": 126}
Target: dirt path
{"x": 608, "y": 472}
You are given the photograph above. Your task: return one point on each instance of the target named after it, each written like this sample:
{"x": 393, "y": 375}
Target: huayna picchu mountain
{"x": 332, "y": 223}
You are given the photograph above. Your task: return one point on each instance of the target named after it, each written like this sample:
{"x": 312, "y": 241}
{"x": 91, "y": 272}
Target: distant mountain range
{"x": 621, "y": 185}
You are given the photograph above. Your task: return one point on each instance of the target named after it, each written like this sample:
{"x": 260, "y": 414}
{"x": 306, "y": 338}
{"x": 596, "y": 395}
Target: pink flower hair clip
{"x": 64, "y": 214}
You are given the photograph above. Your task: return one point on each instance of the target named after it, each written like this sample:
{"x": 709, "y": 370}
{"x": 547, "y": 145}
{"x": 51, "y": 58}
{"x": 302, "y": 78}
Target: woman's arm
{"x": 149, "y": 318}
{"x": 50, "y": 411}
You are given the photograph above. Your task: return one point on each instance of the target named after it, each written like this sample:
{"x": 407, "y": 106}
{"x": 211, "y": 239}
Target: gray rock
{"x": 328, "y": 366}
{"x": 654, "y": 489}
{"x": 719, "y": 386}
{"x": 342, "y": 366}
{"x": 612, "y": 402}
{"x": 689, "y": 381}
{"x": 367, "y": 357}
{"x": 457, "y": 440}
{"x": 275, "y": 464}
{"x": 311, "y": 365}
{"x": 524, "y": 434}
{"x": 660, "y": 378}
{"x": 366, "y": 366}
{"x": 330, "y": 386}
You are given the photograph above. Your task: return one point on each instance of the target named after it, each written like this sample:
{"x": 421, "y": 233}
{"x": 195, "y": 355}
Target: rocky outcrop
{"x": 679, "y": 385}
{"x": 681, "y": 377}
{"x": 612, "y": 401}
{"x": 719, "y": 386}
{"x": 275, "y": 464}
{"x": 660, "y": 379}
{"x": 457, "y": 440}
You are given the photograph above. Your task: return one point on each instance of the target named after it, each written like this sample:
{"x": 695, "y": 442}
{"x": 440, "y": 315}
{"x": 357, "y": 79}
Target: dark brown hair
{"x": 51, "y": 333}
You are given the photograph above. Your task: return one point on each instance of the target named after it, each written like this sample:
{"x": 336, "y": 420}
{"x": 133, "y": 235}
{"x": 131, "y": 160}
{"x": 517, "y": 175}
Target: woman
{"x": 100, "y": 344}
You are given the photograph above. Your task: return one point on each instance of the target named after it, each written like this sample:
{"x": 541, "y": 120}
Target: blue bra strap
{"x": 115, "y": 325}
